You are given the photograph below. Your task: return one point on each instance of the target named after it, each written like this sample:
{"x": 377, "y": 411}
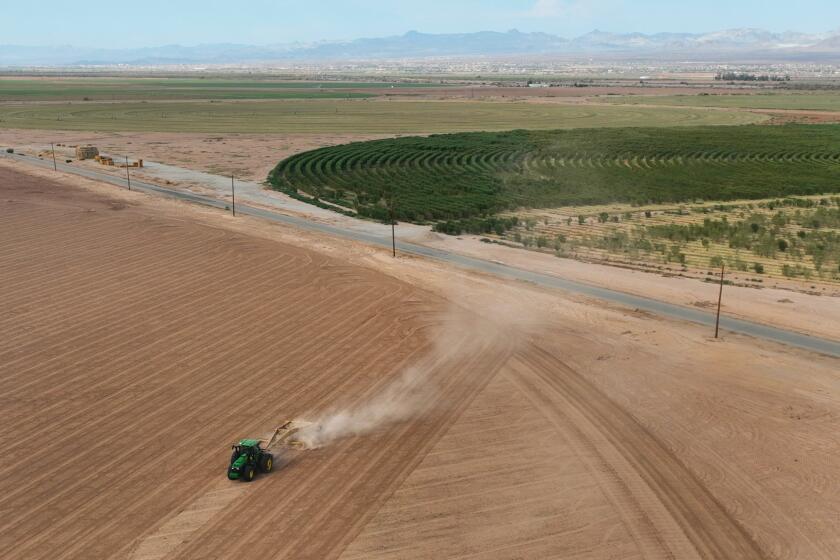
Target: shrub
{"x": 758, "y": 268}
{"x": 476, "y": 226}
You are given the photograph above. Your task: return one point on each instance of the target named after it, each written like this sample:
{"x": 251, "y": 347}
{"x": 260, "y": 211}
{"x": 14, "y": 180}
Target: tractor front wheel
{"x": 266, "y": 462}
{"x": 248, "y": 473}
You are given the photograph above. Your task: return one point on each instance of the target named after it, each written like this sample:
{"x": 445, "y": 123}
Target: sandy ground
{"x": 782, "y": 304}
{"x": 141, "y": 336}
{"x": 248, "y": 156}
{"x": 785, "y": 116}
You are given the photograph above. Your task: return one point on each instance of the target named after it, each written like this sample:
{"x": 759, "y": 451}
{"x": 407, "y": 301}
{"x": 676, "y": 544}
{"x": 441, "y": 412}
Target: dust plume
{"x": 399, "y": 401}
{"x": 415, "y": 391}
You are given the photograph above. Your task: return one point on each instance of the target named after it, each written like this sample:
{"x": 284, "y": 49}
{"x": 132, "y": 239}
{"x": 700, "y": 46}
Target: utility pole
{"x": 127, "y": 173}
{"x": 233, "y": 196}
{"x": 393, "y": 225}
{"x": 720, "y": 298}
{"x": 55, "y": 165}
{"x": 393, "y": 235}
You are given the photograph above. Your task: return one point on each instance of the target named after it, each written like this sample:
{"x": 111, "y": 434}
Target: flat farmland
{"x": 136, "y": 349}
{"x": 109, "y": 89}
{"x": 782, "y": 101}
{"x": 373, "y": 116}
{"x": 138, "y": 339}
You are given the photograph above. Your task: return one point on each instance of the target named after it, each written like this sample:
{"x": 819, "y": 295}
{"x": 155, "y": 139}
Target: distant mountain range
{"x": 724, "y": 45}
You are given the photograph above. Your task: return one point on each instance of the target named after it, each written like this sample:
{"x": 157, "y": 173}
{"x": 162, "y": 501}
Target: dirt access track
{"x": 140, "y": 337}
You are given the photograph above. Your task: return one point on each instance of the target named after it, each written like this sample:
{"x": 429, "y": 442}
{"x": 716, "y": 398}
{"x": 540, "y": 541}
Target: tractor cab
{"x": 252, "y": 455}
{"x": 247, "y": 458}
{"x": 247, "y": 446}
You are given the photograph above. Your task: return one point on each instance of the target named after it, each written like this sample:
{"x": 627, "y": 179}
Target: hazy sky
{"x": 189, "y": 22}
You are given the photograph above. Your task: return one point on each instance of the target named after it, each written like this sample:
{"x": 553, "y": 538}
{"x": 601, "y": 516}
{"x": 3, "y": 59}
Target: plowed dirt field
{"x": 136, "y": 344}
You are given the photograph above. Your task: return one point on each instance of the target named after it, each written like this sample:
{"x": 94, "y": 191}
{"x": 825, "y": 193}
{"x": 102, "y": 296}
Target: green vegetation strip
{"x": 789, "y": 101}
{"x": 364, "y": 116}
{"x": 107, "y": 89}
{"x": 459, "y": 176}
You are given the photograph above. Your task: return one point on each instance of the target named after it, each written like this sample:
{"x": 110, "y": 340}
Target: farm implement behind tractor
{"x": 255, "y": 455}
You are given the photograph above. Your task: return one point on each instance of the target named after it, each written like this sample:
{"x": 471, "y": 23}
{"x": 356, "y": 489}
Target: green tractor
{"x": 247, "y": 458}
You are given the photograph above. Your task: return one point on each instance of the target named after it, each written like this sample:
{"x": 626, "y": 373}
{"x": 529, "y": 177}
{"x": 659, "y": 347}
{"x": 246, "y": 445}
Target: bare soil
{"x": 139, "y": 337}
{"x": 248, "y": 156}
{"x": 799, "y": 116}
{"x": 816, "y": 310}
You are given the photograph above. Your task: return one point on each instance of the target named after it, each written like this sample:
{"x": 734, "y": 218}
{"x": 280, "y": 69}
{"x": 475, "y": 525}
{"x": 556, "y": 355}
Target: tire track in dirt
{"x": 376, "y": 467}
{"x": 633, "y": 453}
{"x": 265, "y": 422}
{"x": 158, "y": 549}
{"x": 138, "y": 429}
{"x": 107, "y": 377}
{"x": 86, "y": 294}
{"x": 141, "y": 283}
{"x": 114, "y": 438}
{"x": 308, "y": 327}
{"x": 499, "y": 484}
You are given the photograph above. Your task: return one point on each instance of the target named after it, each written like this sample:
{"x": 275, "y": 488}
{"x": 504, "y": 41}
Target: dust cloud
{"x": 415, "y": 392}
{"x": 402, "y": 399}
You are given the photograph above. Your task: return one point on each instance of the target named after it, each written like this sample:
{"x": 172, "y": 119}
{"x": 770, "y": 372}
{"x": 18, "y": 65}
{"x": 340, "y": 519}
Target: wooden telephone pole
{"x": 393, "y": 224}
{"x": 720, "y": 298}
{"x": 233, "y": 196}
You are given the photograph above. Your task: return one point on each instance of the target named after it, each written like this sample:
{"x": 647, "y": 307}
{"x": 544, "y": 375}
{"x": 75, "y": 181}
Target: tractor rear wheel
{"x": 248, "y": 473}
{"x": 266, "y": 462}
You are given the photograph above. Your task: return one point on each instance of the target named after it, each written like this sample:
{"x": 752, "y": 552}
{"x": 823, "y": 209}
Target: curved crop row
{"x": 457, "y": 176}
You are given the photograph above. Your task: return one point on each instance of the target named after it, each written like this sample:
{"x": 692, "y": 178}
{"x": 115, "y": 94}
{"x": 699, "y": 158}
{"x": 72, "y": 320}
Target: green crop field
{"x": 348, "y": 116}
{"x": 460, "y": 176}
{"x": 804, "y": 101}
{"x": 151, "y": 89}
